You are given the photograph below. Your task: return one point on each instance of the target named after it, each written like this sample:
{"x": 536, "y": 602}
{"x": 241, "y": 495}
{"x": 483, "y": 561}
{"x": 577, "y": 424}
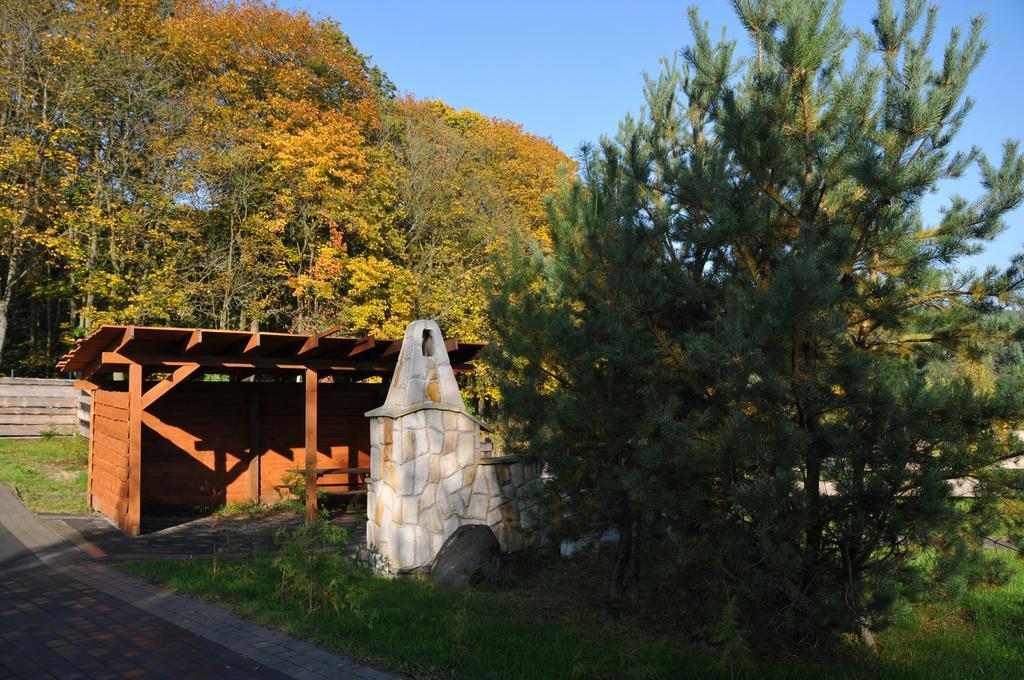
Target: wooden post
{"x": 255, "y": 489}
{"x": 311, "y": 406}
{"x": 92, "y": 444}
{"x": 133, "y": 519}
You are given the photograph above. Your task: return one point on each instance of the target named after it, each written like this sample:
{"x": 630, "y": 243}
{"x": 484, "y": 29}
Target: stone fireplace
{"x": 428, "y": 471}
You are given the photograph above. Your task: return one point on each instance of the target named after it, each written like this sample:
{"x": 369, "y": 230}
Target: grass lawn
{"x": 49, "y": 473}
{"x": 411, "y": 626}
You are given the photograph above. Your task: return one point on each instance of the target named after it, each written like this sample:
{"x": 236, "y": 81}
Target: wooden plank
{"x": 115, "y": 429}
{"x": 254, "y": 445}
{"x": 32, "y": 400}
{"x": 51, "y": 391}
{"x": 41, "y": 420}
{"x": 34, "y": 430}
{"x": 311, "y": 382}
{"x": 169, "y": 383}
{"x": 105, "y": 467}
{"x": 118, "y": 399}
{"x": 37, "y": 411}
{"x": 111, "y": 412}
{"x": 134, "y": 514}
{"x": 37, "y": 381}
{"x": 109, "y": 443}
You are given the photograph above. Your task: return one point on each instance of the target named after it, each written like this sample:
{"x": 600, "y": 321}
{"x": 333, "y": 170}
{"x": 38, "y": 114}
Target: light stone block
{"x": 444, "y": 505}
{"x": 416, "y": 420}
{"x": 432, "y": 521}
{"x": 424, "y": 547}
{"x": 434, "y": 440}
{"x": 449, "y": 464}
{"x": 405, "y": 545}
{"x": 435, "y": 468}
{"x": 451, "y": 440}
{"x": 465, "y": 451}
{"x": 406, "y": 478}
{"x": 477, "y": 508}
{"x": 410, "y": 444}
{"x": 374, "y": 462}
{"x": 435, "y": 419}
{"x": 453, "y": 483}
{"x": 410, "y": 510}
{"x": 451, "y": 525}
{"x": 415, "y": 391}
{"x": 451, "y": 420}
{"x": 422, "y": 464}
{"x": 428, "y": 497}
{"x": 422, "y": 442}
{"x": 464, "y": 495}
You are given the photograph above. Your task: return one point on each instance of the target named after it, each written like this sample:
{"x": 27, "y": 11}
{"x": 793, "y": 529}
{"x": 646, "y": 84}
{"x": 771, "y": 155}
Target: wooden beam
{"x": 240, "y": 362}
{"x": 86, "y": 385}
{"x": 311, "y": 343}
{"x": 126, "y": 337}
{"x": 363, "y": 345}
{"x": 255, "y": 488}
{"x": 311, "y": 380}
{"x": 134, "y": 519}
{"x": 253, "y": 344}
{"x": 394, "y": 348}
{"x": 451, "y": 345}
{"x": 168, "y": 384}
{"x": 92, "y": 446}
{"x": 92, "y": 367}
{"x": 194, "y": 340}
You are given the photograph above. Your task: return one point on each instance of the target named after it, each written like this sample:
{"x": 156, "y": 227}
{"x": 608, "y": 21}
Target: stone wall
{"x": 426, "y": 475}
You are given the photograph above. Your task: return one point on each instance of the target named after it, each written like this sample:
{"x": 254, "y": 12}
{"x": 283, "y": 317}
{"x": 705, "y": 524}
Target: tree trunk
{"x": 13, "y": 269}
{"x": 623, "y": 556}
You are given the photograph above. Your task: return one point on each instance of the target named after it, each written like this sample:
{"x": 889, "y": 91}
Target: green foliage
{"x": 313, "y": 566}
{"x": 748, "y": 352}
{"x": 424, "y": 631}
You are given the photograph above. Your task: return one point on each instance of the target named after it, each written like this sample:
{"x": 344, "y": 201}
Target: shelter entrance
{"x": 200, "y": 418}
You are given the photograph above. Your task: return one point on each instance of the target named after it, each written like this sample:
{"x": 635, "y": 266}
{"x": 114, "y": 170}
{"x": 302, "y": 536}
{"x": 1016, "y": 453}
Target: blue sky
{"x": 569, "y": 70}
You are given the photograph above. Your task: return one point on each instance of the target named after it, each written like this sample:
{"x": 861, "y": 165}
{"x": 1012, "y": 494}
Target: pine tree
{"x": 800, "y": 367}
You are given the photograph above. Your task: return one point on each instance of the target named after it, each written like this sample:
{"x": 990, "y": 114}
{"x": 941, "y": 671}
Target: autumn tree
{"x": 37, "y": 137}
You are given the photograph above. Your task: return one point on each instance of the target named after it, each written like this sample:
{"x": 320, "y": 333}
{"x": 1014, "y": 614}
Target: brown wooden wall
{"x": 108, "y": 455}
{"x": 197, "y": 440}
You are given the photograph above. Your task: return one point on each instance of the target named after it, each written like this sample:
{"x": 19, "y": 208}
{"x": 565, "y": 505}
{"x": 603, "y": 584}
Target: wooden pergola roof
{"x": 113, "y": 348}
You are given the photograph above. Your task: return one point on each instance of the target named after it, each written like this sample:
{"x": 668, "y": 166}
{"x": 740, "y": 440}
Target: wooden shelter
{"x": 185, "y": 416}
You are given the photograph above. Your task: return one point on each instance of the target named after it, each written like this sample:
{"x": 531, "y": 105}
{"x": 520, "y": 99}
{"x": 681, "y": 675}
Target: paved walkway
{"x": 63, "y": 615}
{"x": 188, "y": 536}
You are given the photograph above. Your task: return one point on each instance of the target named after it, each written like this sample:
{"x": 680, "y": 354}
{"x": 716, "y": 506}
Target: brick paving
{"x": 64, "y": 615}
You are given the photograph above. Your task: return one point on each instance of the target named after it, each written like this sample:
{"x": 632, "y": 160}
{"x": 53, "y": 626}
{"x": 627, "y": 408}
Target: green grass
{"x": 49, "y": 473}
{"x": 410, "y": 626}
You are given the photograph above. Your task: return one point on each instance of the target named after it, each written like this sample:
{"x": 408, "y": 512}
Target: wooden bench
{"x": 361, "y": 472}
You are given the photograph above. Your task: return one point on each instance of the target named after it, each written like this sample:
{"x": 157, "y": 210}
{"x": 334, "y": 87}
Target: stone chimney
{"x": 427, "y": 474}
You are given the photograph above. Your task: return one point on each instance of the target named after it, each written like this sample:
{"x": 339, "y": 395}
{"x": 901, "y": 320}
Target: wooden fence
{"x": 30, "y": 407}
